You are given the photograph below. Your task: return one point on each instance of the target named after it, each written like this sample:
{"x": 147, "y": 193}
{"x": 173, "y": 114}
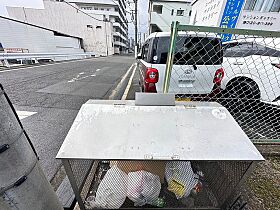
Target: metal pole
{"x": 170, "y": 57}
{"x": 106, "y": 38}
{"x": 23, "y": 183}
{"x": 136, "y": 30}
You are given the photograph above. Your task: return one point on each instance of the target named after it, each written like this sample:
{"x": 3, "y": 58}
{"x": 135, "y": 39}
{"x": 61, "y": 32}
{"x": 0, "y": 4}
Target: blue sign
{"x": 230, "y": 16}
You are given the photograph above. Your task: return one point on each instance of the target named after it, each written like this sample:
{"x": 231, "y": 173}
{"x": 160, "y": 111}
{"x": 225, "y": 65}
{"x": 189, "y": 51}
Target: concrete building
{"x": 246, "y": 14}
{"x": 18, "y": 36}
{"x": 113, "y": 11}
{"x": 163, "y": 12}
{"x": 96, "y": 34}
{"x": 31, "y": 38}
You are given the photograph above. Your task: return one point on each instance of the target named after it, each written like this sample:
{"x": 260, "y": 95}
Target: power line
{"x": 83, "y": 11}
{"x": 78, "y": 9}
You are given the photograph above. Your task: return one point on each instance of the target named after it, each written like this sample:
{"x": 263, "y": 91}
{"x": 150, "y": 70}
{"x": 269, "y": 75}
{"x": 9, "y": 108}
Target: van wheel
{"x": 244, "y": 93}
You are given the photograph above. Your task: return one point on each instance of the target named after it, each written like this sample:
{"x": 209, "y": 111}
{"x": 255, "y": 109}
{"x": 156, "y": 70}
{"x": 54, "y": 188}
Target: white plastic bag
{"x": 180, "y": 177}
{"x": 112, "y": 190}
{"x": 143, "y": 187}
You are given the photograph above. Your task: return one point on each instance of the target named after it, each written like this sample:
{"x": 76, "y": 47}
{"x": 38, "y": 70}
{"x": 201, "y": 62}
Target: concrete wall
{"x": 15, "y": 35}
{"x": 62, "y": 17}
{"x": 163, "y": 21}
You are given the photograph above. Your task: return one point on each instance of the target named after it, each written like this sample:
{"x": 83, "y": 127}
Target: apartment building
{"x": 163, "y": 12}
{"x": 113, "y": 11}
{"x": 101, "y": 24}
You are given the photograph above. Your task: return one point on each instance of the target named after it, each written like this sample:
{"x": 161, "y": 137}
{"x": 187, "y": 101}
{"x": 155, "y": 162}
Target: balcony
{"x": 116, "y": 24}
{"x": 120, "y": 43}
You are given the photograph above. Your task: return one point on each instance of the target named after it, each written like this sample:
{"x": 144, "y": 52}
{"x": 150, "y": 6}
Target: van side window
{"x": 145, "y": 51}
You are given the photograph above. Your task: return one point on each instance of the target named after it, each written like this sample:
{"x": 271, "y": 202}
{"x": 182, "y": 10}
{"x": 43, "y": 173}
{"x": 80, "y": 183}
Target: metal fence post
{"x": 170, "y": 57}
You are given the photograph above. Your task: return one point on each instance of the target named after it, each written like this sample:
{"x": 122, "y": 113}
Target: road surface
{"x": 47, "y": 98}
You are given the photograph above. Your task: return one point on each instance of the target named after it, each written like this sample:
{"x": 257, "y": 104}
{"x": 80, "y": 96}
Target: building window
{"x": 89, "y": 26}
{"x": 190, "y": 13}
{"x": 180, "y": 12}
{"x": 86, "y": 8}
{"x": 95, "y": 8}
{"x": 157, "y": 9}
{"x": 275, "y": 6}
{"x": 108, "y": 9}
{"x": 98, "y": 27}
{"x": 262, "y": 5}
{"x": 172, "y": 12}
{"x": 102, "y": 8}
{"x": 254, "y": 5}
{"x": 249, "y": 4}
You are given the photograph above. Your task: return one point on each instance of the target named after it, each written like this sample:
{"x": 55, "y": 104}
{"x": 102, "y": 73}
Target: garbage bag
{"x": 112, "y": 190}
{"x": 181, "y": 178}
{"x": 143, "y": 187}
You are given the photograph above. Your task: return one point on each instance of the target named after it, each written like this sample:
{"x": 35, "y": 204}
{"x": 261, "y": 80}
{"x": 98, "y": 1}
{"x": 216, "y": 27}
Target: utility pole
{"x": 136, "y": 30}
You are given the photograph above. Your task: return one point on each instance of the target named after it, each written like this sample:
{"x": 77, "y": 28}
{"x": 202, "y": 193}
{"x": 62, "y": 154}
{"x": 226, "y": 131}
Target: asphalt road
{"x": 49, "y": 97}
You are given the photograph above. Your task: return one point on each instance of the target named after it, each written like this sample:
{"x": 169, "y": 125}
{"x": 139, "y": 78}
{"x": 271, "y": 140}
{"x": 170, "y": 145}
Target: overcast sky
{"x": 142, "y": 17}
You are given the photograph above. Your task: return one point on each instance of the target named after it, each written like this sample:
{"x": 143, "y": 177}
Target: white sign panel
{"x": 208, "y": 12}
{"x": 259, "y": 20}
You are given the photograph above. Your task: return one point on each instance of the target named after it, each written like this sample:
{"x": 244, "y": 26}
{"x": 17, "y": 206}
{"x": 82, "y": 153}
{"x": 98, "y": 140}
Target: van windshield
{"x": 189, "y": 51}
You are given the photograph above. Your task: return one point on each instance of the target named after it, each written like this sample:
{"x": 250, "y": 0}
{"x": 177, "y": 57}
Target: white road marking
{"x": 129, "y": 84}
{"x": 24, "y": 114}
{"x": 77, "y": 78}
{"x": 111, "y": 97}
{"x": 93, "y": 75}
{"x": 98, "y": 69}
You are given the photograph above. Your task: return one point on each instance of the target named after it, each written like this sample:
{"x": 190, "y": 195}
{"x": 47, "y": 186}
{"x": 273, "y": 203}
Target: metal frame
{"x": 71, "y": 178}
{"x": 228, "y": 30}
{"x": 77, "y": 190}
{"x": 35, "y": 56}
{"x": 243, "y": 179}
{"x": 170, "y": 56}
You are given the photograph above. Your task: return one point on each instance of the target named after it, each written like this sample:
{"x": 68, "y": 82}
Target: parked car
{"x": 197, "y": 68}
{"x": 252, "y": 70}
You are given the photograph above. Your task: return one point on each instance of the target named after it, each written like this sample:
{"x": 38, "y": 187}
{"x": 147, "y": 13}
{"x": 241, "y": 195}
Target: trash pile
{"x": 124, "y": 184}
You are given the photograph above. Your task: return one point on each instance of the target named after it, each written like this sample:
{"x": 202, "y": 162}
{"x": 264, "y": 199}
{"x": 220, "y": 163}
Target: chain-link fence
{"x": 155, "y": 184}
{"x": 238, "y": 68}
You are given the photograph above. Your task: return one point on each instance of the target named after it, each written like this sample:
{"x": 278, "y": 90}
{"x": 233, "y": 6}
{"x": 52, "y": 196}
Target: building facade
{"x": 96, "y": 33}
{"x": 113, "y": 11}
{"x": 17, "y": 36}
{"x": 163, "y": 12}
{"x": 245, "y": 14}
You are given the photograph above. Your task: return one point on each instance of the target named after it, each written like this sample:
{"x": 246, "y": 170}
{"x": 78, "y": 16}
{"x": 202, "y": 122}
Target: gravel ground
{"x": 262, "y": 189}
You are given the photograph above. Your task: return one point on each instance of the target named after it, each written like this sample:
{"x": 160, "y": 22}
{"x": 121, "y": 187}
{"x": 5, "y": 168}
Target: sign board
{"x": 230, "y": 16}
{"x": 269, "y": 21}
{"x": 207, "y": 12}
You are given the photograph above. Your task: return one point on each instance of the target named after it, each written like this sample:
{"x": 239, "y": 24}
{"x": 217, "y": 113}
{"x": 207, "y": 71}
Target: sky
{"x": 142, "y": 17}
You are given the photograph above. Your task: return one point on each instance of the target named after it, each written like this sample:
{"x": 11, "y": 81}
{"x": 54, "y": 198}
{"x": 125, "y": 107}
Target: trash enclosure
{"x": 191, "y": 155}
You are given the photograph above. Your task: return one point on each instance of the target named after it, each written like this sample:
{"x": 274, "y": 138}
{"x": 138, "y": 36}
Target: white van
{"x": 197, "y": 67}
